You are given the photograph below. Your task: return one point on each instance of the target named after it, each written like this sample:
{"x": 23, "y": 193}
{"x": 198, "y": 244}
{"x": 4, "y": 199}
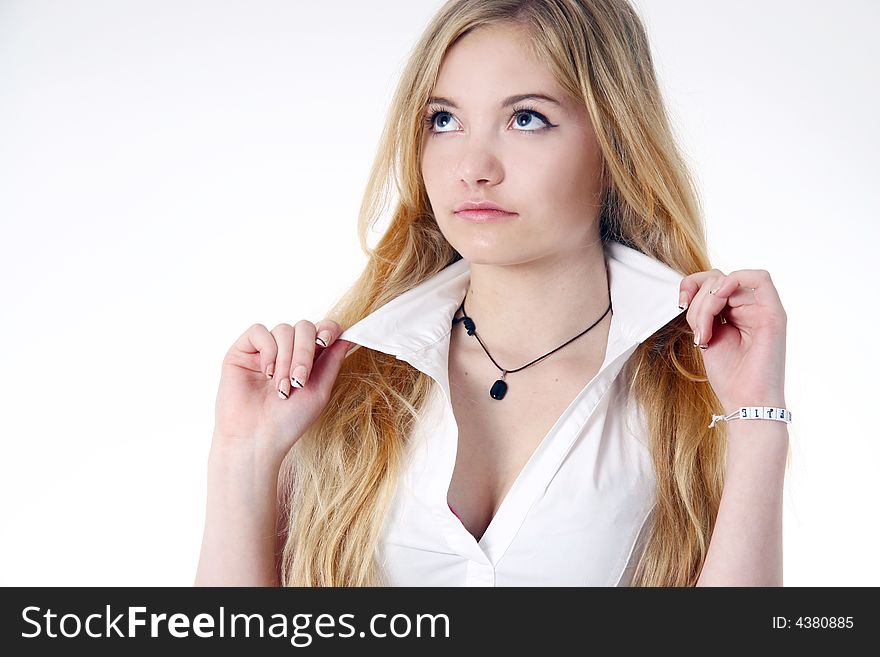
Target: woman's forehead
{"x": 493, "y": 65}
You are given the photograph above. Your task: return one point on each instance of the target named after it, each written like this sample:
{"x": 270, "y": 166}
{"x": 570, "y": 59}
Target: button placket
{"x": 480, "y": 574}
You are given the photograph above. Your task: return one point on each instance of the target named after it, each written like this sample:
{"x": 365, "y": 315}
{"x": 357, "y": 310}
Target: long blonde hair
{"x": 338, "y": 481}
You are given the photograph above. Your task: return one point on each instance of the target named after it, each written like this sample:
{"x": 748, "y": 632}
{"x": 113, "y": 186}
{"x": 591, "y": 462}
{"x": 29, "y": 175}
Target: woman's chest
{"x": 568, "y": 512}
{"x": 496, "y": 438}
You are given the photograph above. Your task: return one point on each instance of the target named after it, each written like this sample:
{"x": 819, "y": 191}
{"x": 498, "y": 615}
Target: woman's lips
{"x": 484, "y": 215}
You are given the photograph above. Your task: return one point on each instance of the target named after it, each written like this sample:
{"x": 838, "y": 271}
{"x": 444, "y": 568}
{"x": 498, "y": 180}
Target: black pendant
{"x": 498, "y": 390}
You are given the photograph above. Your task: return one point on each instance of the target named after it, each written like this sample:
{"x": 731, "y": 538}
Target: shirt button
{"x": 480, "y": 574}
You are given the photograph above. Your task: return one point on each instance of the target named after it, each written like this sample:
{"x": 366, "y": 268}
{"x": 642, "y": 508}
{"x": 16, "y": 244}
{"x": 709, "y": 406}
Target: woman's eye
{"x": 439, "y": 119}
{"x": 523, "y": 121}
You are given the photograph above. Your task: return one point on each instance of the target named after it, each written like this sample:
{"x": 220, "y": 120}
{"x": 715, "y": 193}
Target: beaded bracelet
{"x": 755, "y": 413}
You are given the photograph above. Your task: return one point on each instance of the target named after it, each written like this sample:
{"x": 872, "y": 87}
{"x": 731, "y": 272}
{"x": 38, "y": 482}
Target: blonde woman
{"x": 535, "y": 350}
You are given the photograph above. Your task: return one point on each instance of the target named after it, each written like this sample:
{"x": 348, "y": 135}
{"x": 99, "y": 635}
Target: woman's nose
{"x": 479, "y": 164}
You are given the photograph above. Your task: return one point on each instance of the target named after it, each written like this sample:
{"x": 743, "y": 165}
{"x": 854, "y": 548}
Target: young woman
{"x": 536, "y": 348}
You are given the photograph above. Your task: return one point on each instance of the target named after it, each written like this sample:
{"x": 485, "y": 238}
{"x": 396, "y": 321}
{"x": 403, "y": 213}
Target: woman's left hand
{"x": 739, "y": 322}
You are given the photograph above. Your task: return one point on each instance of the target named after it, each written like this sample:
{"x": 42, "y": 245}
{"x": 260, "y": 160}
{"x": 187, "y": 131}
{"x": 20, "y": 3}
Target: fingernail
{"x": 270, "y": 370}
{"x": 715, "y": 290}
{"x": 284, "y": 389}
{"x": 683, "y": 301}
{"x": 299, "y": 376}
{"x": 323, "y": 338}
{"x": 704, "y": 347}
{"x": 697, "y": 339}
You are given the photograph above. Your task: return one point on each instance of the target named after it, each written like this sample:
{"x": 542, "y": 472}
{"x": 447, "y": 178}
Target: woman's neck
{"x": 525, "y": 310}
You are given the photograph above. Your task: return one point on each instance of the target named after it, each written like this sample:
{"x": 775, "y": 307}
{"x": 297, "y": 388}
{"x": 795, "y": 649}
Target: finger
{"x": 742, "y": 296}
{"x": 716, "y": 295}
{"x": 283, "y": 334}
{"x": 690, "y": 284}
{"x": 759, "y": 284}
{"x": 708, "y": 304}
{"x": 691, "y": 297}
{"x": 304, "y": 345}
{"x": 326, "y": 367}
{"x": 259, "y": 342}
{"x": 744, "y": 287}
{"x": 328, "y": 331}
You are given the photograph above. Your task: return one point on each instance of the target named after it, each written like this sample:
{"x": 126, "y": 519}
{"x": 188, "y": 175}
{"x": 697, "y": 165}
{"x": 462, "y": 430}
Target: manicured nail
{"x": 270, "y": 370}
{"x": 284, "y": 389}
{"x": 697, "y": 339}
{"x": 683, "y": 301}
{"x": 299, "y": 377}
{"x": 323, "y": 338}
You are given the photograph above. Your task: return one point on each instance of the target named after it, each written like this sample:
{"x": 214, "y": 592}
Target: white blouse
{"x": 577, "y": 514}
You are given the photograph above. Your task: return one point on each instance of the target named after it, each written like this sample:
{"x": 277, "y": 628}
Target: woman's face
{"x": 532, "y": 156}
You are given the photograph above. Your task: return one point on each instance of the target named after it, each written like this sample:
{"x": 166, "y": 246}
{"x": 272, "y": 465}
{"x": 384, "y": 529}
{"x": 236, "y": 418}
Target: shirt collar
{"x": 644, "y": 297}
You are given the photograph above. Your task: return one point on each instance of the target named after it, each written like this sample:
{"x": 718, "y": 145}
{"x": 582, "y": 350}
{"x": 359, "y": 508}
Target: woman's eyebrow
{"x": 510, "y": 100}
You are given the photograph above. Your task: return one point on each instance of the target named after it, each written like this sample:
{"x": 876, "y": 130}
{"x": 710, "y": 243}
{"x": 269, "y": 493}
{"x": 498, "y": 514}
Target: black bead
{"x": 499, "y": 389}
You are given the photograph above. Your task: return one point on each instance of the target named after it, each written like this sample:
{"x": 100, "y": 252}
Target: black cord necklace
{"x": 499, "y": 388}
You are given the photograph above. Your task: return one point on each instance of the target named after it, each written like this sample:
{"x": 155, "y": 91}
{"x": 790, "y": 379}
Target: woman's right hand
{"x": 258, "y": 403}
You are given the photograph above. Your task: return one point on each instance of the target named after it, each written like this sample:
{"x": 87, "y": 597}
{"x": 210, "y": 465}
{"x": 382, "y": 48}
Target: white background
{"x": 172, "y": 172}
